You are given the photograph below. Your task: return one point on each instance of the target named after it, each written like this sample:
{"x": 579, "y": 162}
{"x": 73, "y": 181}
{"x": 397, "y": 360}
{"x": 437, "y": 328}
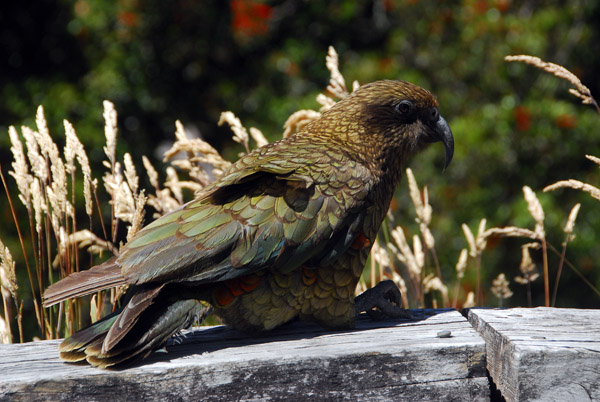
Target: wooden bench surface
{"x": 379, "y": 360}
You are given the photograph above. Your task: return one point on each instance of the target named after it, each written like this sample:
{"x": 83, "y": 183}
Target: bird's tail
{"x": 78, "y": 284}
{"x": 145, "y": 324}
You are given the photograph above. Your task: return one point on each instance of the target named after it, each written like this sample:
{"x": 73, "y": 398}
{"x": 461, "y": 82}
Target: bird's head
{"x": 391, "y": 119}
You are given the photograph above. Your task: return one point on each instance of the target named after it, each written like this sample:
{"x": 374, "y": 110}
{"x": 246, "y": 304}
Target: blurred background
{"x": 159, "y": 61}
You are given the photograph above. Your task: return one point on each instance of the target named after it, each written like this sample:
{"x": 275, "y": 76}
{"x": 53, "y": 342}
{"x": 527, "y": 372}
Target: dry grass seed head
{"x": 5, "y": 335}
{"x": 414, "y": 192}
{"x": 337, "y": 83}
{"x": 89, "y": 187}
{"x": 40, "y": 207}
{"x": 380, "y": 255}
{"x": 399, "y": 281}
{"x": 473, "y": 251}
{"x": 559, "y": 71}
{"x": 138, "y": 216}
{"x": 325, "y": 101}
{"x": 500, "y": 287}
{"x": 527, "y": 267}
{"x": 511, "y": 231}
{"x": 130, "y": 173}
{"x": 20, "y": 167}
{"x": 427, "y": 211}
{"x": 481, "y": 240}
{"x": 258, "y": 137}
{"x": 57, "y": 191}
{"x": 418, "y": 252}
{"x": 47, "y": 146}
{"x": 161, "y": 200}
{"x": 404, "y": 252}
{"x": 83, "y": 239}
{"x": 535, "y": 209}
{"x": 118, "y": 293}
{"x": 110, "y": 131}
{"x": 432, "y": 282}
{"x": 198, "y": 151}
{"x": 423, "y": 209}
{"x": 122, "y": 197}
{"x": 124, "y": 203}
{"x": 428, "y": 238}
{"x": 394, "y": 250}
{"x": 74, "y": 149}
{"x": 470, "y": 300}
{"x": 570, "y": 225}
{"x": 461, "y": 264}
{"x": 36, "y": 160}
{"x": 240, "y": 134}
{"x": 172, "y": 183}
{"x": 298, "y": 120}
{"x": 151, "y": 172}
{"x": 577, "y": 185}
{"x": 8, "y": 277}
{"x": 593, "y": 159}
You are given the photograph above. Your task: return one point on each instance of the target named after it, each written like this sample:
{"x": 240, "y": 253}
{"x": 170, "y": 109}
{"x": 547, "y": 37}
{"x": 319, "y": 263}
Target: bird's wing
{"x": 260, "y": 215}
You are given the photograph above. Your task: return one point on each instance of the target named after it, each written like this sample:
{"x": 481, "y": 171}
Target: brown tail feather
{"x": 103, "y": 276}
{"x": 130, "y": 315}
{"x": 126, "y": 336}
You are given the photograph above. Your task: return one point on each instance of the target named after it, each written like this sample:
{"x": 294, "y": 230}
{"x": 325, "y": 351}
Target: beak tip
{"x": 449, "y": 155}
{"x": 447, "y": 139}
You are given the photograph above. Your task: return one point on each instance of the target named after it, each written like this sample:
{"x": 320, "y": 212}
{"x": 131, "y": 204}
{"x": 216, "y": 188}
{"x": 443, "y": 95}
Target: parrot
{"x": 282, "y": 234}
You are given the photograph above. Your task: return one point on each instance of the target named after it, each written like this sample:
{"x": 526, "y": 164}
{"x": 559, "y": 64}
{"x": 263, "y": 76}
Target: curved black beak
{"x": 442, "y": 129}
{"x": 439, "y": 130}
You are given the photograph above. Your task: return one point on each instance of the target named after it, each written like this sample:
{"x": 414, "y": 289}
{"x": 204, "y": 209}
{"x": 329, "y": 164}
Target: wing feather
{"x": 264, "y": 215}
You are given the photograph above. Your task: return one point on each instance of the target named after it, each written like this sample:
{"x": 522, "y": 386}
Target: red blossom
{"x": 567, "y": 121}
{"x": 250, "y": 18}
{"x": 480, "y": 7}
{"x": 502, "y": 5}
{"x": 129, "y": 18}
{"x": 522, "y": 116}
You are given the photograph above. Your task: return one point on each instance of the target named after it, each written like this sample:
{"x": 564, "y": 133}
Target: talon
{"x": 382, "y": 301}
{"x": 376, "y": 315}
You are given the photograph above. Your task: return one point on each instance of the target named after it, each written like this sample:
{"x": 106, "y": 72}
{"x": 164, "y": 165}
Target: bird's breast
{"x": 267, "y": 299}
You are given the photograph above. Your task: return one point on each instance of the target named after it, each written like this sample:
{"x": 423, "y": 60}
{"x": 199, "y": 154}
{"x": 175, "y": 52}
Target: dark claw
{"x": 382, "y": 301}
{"x": 376, "y": 315}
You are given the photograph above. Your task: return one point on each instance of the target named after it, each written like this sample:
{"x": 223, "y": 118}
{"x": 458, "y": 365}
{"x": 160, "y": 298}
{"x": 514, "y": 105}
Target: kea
{"x": 284, "y": 233}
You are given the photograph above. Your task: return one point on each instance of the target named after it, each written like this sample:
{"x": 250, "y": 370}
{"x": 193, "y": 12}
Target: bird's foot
{"x": 382, "y": 301}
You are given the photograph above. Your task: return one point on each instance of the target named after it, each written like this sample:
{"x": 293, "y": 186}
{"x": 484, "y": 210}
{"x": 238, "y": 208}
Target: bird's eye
{"x": 434, "y": 114}
{"x": 405, "y": 107}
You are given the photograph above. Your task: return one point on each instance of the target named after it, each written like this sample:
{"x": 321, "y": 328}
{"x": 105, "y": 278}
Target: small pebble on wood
{"x": 444, "y": 334}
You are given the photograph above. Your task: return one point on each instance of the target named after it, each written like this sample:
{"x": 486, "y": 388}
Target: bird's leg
{"x": 382, "y": 301}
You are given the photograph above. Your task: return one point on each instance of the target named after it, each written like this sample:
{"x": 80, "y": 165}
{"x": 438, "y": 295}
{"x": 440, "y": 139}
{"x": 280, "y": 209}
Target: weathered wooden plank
{"x": 542, "y": 354}
{"x": 402, "y": 360}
